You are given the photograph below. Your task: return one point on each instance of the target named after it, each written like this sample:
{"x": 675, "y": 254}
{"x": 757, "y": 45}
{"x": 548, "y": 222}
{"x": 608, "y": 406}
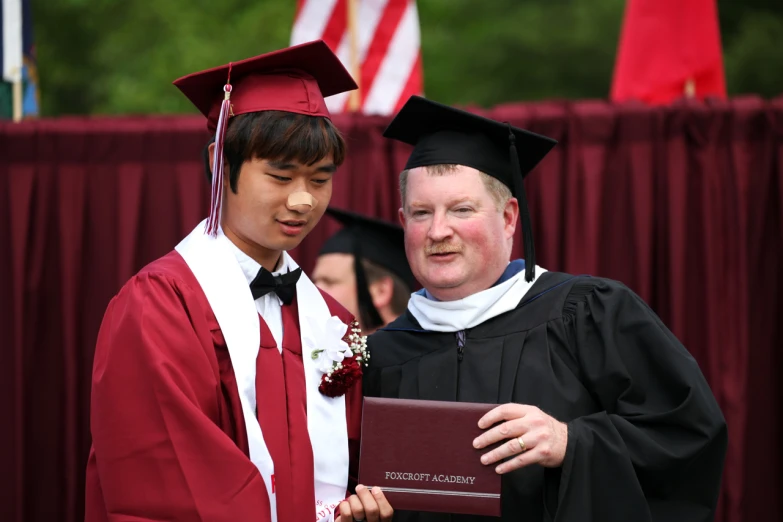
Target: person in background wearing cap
{"x": 363, "y": 266}
{"x": 604, "y": 416}
{"x": 213, "y": 391}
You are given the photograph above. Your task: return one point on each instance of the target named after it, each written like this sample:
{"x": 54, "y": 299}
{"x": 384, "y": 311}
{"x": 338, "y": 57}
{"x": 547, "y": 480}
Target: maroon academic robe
{"x": 169, "y": 438}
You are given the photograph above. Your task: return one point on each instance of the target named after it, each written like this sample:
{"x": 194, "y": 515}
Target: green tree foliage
{"x": 754, "y": 57}
{"x": 495, "y": 51}
{"x": 120, "y": 56}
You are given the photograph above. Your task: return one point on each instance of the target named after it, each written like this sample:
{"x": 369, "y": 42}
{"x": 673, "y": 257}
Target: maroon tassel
{"x": 216, "y": 204}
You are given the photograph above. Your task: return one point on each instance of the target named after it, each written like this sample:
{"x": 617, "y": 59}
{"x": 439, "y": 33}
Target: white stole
{"x": 454, "y": 316}
{"x": 218, "y": 273}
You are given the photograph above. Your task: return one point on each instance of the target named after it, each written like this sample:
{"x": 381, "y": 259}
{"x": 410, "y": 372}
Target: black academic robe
{"x": 646, "y": 438}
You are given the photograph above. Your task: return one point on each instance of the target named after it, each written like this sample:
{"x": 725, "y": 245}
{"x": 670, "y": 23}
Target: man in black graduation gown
{"x": 605, "y": 416}
{"x": 364, "y": 267}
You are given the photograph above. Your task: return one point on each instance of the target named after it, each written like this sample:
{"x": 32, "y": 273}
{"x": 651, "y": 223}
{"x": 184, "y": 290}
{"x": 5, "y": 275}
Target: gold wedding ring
{"x": 522, "y": 447}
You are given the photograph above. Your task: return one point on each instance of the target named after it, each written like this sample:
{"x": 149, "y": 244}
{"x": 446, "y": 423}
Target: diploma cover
{"x": 420, "y": 453}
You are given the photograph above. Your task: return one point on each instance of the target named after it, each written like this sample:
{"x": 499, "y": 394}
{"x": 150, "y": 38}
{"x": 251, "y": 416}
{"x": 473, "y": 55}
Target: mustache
{"x": 442, "y": 248}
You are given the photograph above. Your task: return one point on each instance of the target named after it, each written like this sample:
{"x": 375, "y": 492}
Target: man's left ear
{"x": 511, "y": 216}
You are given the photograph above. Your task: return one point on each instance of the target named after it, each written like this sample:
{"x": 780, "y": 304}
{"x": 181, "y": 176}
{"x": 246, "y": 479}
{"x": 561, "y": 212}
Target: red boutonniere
{"x": 341, "y": 356}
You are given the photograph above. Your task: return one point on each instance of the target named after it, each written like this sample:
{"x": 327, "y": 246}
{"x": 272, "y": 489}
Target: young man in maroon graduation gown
{"x": 215, "y": 395}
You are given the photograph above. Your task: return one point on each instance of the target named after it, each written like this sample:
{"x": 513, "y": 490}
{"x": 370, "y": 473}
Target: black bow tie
{"x": 283, "y": 285}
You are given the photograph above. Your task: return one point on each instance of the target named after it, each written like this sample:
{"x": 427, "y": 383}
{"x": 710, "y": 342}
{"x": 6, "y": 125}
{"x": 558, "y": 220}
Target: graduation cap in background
{"x": 377, "y": 241}
{"x": 295, "y": 79}
{"x": 443, "y": 135}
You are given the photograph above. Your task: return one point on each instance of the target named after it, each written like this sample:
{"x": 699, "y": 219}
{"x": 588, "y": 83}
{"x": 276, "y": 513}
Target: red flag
{"x": 669, "y": 49}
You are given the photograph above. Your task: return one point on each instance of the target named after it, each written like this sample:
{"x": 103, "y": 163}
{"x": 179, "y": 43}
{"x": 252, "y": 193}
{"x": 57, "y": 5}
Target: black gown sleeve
{"x": 656, "y": 451}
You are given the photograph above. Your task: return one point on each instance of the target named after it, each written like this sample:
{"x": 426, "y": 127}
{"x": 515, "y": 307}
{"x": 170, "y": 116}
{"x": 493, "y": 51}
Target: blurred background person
{"x": 364, "y": 267}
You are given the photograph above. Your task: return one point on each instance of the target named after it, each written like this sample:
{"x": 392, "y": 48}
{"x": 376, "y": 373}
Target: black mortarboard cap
{"x": 375, "y": 240}
{"x": 443, "y": 135}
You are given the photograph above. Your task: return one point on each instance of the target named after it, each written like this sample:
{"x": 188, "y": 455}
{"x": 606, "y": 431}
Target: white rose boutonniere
{"x": 341, "y": 354}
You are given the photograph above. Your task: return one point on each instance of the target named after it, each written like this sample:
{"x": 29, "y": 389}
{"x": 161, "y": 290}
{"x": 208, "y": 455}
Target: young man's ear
{"x": 211, "y": 149}
{"x": 226, "y": 175}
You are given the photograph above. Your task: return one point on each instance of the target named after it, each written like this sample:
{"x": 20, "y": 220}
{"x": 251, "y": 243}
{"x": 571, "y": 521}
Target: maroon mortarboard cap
{"x": 295, "y": 79}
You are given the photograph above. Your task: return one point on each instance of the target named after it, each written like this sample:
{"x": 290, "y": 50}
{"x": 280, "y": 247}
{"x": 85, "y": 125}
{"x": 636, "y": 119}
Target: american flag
{"x": 386, "y": 42}
{"x": 18, "y": 73}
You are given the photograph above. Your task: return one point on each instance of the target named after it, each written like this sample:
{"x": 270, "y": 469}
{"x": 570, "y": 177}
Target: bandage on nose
{"x": 301, "y": 199}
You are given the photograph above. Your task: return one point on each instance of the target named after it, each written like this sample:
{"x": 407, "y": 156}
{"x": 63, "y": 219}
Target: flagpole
{"x": 354, "y": 98}
{"x": 690, "y": 88}
{"x": 16, "y": 95}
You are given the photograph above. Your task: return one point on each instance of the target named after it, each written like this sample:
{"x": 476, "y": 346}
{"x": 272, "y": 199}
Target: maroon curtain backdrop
{"x": 683, "y": 204}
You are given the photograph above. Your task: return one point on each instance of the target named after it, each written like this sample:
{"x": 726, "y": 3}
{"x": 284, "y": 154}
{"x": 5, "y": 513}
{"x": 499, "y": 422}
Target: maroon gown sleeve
{"x": 158, "y": 451}
{"x": 353, "y": 403}
{"x": 353, "y": 411}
